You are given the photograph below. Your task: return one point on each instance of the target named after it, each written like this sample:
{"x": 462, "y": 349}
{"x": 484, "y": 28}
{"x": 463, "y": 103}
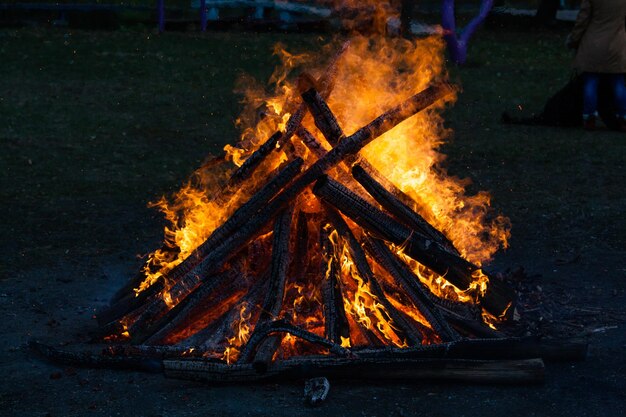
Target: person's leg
{"x": 590, "y": 94}
{"x": 619, "y": 92}
{"x": 590, "y": 99}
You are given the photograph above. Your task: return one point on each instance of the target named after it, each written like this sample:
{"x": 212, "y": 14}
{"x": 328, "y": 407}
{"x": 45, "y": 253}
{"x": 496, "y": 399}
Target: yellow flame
{"x": 242, "y": 329}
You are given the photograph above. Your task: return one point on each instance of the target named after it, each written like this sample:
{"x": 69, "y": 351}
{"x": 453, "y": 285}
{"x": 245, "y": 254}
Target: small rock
{"x": 316, "y": 390}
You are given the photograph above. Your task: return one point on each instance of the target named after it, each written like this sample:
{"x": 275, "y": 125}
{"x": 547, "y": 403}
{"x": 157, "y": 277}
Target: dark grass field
{"x": 93, "y": 125}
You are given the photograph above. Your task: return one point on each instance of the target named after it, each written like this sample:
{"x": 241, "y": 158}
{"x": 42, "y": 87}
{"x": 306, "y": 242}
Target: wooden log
{"x": 299, "y": 261}
{"x": 458, "y": 271}
{"x": 403, "y": 327}
{"x": 253, "y": 161}
{"x": 400, "y": 210}
{"x": 278, "y": 267}
{"x": 412, "y": 287}
{"x": 148, "y": 358}
{"x": 239, "y": 217}
{"x": 211, "y": 255}
{"x": 130, "y": 302}
{"x": 551, "y": 350}
{"x": 263, "y": 330}
{"x": 213, "y": 335}
{"x": 484, "y": 371}
{"x": 336, "y": 324}
{"x": 323, "y": 117}
{"x": 278, "y": 139}
{"x": 276, "y": 292}
{"x": 311, "y": 142}
{"x": 89, "y": 359}
{"x": 156, "y": 352}
{"x": 158, "y": 330}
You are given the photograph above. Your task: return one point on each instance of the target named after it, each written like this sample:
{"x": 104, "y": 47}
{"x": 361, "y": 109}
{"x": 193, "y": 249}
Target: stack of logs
{"x": 466, "y": 348}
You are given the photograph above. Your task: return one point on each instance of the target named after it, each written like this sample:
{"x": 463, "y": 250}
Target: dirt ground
{"x": 93, "y": 125}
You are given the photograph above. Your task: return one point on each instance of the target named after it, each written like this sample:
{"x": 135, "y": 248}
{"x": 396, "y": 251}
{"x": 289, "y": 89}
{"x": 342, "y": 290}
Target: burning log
{"x": 253, "y": 161}
{"x": 411, "y": 286}
{"x": 335, "y": 320}
{"x": 266, "y": 329}
{"x": 486, "y": 371}
{"x": 323, "y": 117}
{"x": 311, "y": 142}
{"x": 280, "y": 262}
{"x": 406, "y": 329}
{"x": 130, "y": 302}
{"x": 398, "y": 209}
{"x": 239, "y": 217}
{"x": 497, "y": 299}
{"x": 215, "y": 333}
{"x": 158, "y": 330}
{"x": 278, "y": 276}
{"x": 218, "y": 236}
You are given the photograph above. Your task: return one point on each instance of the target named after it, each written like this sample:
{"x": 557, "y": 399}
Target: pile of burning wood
{"x": 322, "y": 266}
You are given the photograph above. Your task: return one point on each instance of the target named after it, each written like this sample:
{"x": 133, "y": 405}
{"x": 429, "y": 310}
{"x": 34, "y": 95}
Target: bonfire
{"x": 329, "y": 240}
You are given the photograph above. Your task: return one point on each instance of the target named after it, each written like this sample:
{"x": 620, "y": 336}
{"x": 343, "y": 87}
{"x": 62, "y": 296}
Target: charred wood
{"x": 398, "y": 209}
{"x": 158, "y": 330}
{"x": 405, "y": 329}
{"x": 323, "y": 117}
{"x": 387, "y": 259}
{"x": 278, "y": 268}
{"x": 552, "y": 350}
{"x": 458, "y": 271}
{"x": 336, "y": 324}
{"x": 486, "y": 371}
{"x": 216, "y": 333}
{"x": 90, "y": 359}
{"x": 130, "y": 302}
{"x": 311, "y": 142}
{"x": 240, "y": 216}
{"x": 263, "y": 330}
{"x": 326, "y": 82}
{"x": 276, "y": 292}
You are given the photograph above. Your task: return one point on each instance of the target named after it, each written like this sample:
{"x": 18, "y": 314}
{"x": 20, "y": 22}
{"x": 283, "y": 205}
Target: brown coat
{"x": 600, "y": 37}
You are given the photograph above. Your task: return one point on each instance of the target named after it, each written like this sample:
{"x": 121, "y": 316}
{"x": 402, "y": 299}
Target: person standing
{"x": 599, "y": 37}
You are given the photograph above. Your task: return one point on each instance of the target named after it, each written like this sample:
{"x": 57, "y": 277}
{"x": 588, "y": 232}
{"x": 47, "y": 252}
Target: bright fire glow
{"x": 375, "y": 74}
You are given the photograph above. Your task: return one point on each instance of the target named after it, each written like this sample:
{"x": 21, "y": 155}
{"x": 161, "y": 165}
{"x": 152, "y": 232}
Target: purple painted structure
{"x": 457, "y": 44}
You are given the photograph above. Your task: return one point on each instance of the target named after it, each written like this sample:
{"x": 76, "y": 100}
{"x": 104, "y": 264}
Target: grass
{"x": 96, "y": 124}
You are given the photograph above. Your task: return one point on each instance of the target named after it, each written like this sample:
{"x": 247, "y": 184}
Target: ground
{"x": 96, "y": 124}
